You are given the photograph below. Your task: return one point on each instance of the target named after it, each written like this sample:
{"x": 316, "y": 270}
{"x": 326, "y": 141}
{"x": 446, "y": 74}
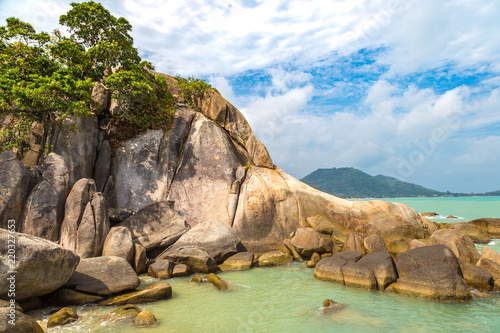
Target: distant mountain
{"x": 493, "y": 194}
{"x": 351, "y": 182}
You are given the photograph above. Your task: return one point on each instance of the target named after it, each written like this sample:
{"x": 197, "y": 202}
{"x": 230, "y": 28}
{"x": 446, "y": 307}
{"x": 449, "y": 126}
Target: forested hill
{"x": 351, "y": 182}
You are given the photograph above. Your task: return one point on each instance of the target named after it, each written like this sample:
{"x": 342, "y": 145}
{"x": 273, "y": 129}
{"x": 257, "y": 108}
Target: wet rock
{"x": 358, "y": 275}
{"x": 154, "y": 293}
{"x": 118, "y": 243}
{"x": 441, "y": 283}
{"x": 16, "y": 184}
{"x": 196, "y": 279}
{"x": 127, "y": 311}
{"x": 383, "y": 267}
{"x": 157, "y": 225}
{"x": 103, "y": 276}
{"x": 239, "y": 262}
{"x": 195, "y": 258}
{"x": 436, "y": 255}
{"x": 161, "y": 269}
{"x": 42, "y": 266}
{"x": 274, "y": 258}
{"x": 181, "y": 270}
{"x": 308, "y": 241}
{"x": 315, "y": 258}
{"x": 62, "y": 317}
{"x": 219, "y": 283}
{"x": 476, "y": 277}
{"x": 459, "y": 242}
{"x": 330, "y": 306}
{"x": 330, "y": 269}
{"x": 145, "y": 318}
{"x": 374, "y": 243}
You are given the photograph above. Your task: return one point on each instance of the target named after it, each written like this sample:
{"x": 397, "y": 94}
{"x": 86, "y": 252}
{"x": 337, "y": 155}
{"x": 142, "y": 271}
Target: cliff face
{"x": 213, "y": 167}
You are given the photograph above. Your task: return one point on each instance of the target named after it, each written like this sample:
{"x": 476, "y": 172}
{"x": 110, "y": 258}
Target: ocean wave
{"x": 442, "y": 217}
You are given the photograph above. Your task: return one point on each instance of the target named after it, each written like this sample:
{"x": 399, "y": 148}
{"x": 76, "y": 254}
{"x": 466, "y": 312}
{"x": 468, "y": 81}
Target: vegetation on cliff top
{"x": 44, "y": 78}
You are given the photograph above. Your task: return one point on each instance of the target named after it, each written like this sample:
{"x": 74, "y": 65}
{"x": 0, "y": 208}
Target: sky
{"x": 404, "y": 88}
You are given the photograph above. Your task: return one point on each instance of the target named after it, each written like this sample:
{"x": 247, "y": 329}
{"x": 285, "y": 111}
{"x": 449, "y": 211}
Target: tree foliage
{"x": 47, "y": 77}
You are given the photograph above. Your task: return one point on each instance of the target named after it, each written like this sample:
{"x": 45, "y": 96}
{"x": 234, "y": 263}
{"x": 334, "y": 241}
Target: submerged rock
{"x": 145, "y": 318}
{"x": 127, "y": 311}
{"x": 330, "y": 306}
{"x": 62, "y": 317}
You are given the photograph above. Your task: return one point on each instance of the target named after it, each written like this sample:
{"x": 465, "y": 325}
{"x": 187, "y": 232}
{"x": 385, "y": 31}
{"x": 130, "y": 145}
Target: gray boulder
{"x": 358, "y": 275}
{"x": 41, "y": 265}
{"x": 23, "y": 323}
{"x": 44, "y": 209}
{"x": 382, "y": 265}
{"x": 103, "y": 276}
{"x": 490, "y": 225}
{"x": 157, "y": 225}
{"x": 354, "y": 242}
{"x": 441, "y": 283}
{"x": 102, "y": 169}
{"x": 198, "y": 260}
{"x": 215, "y": 237}
{"x": 140, "y": 258}
{"x": 161, "y": 269}
{"x": 435, "y": 255}
{"x": 16, "y": 184}
{"x": 118, "y": 243}
{"x": 476, "y": 277}
{"x": 459, "y": 242}
{"x": 308, "y": 241}
{"x": 330, "y": 269}
{"x": 76, "y": 202}
{"x": 94, "y": 227}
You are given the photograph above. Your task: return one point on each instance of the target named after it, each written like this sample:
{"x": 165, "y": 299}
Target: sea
{"x": 289, "y": 299}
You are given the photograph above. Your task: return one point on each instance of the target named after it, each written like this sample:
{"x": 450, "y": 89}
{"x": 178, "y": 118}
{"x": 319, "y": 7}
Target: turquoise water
{"x": 288, "y": 299}
{"x": 465, "y": 208}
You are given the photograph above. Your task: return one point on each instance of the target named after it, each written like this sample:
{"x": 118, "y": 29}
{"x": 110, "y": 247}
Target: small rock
{"x": 218, "y": 282}
{"x": 429, "y": 214}
{"x": 161, "y": 269}
{"x": 330, "y": 305}
{"x": 128, "y": 311}
{"x": 314, "y": 260}
{"x": 196, "y": 279}
{"x": 451, "y": 217}
{"x": 239, "y": 262}
{"x": 145, "y": 318}
{"x": 62, "y": 317}
{"x": 181, "y": 270}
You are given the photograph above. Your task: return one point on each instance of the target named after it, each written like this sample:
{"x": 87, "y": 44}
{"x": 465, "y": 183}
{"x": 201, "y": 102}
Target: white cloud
{"x": 481, "y": 152}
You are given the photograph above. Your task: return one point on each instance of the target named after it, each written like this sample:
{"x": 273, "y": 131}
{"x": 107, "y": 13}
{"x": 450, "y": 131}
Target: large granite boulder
{"x": 215, "y": 237}
{"x": 139, "y": 171}
{"x": 308, "y": 241}
{"x": 459, "y": 242}
{"x": 358, "y": 275}
{"x": 77, "y": 146}
{"x": 441, "y": 283}
{"x": 103, "y": 276}
{"x": 330, "y": 269}
{"x": 16, "y": 184}
{"x": 22, "y": 323}
{"x": 198, "y": 260}
{"x": 383, "y": 267}
{"x": 157, "y": 225}
{"x": 476, "y": 277}
{"x": 76, "y": 202}
{"x": 477, "y": 234}
{"x": 435, "y": 255}
{"x": 44, "y": 209}
{"x": 490, "y": 225}
{"x": 42, "y": 266}
{"x": 206, "y": 173}
{"x": 93, "y": 228}
{"x": 118, "y": 243}
{"x": 490, "y": 262}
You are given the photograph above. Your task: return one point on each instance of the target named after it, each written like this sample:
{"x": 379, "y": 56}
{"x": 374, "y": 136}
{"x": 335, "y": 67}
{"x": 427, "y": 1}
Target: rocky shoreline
{"x": 204, "y": 196}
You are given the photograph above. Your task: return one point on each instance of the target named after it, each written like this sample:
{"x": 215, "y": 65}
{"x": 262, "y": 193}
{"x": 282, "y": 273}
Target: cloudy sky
{"x": 404, "y": 88}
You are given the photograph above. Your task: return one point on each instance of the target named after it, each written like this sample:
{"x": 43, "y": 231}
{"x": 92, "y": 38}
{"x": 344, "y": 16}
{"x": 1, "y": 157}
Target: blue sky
{"x": 408, "y": 89}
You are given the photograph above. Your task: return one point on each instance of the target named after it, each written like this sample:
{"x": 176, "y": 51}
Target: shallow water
{"x": 288, "y": 299}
